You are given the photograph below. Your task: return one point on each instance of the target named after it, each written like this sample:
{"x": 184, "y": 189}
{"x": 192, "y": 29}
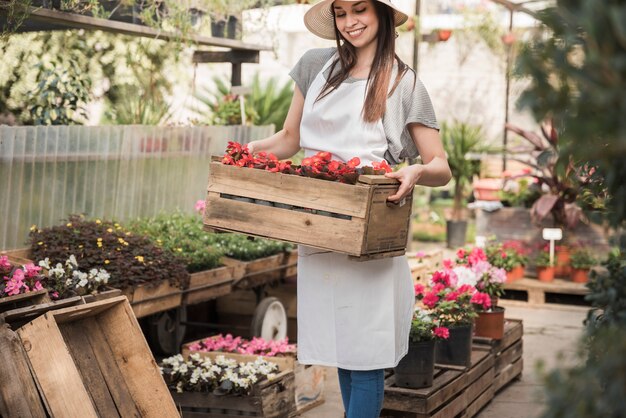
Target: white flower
{"x": 45, "y": 263}
{"x": 465, "y": 276}
{"x": 71, "y": 262}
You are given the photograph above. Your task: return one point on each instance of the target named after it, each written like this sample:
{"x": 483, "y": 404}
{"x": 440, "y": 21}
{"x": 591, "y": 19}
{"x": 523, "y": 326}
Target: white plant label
{"x": 552, "y": 234}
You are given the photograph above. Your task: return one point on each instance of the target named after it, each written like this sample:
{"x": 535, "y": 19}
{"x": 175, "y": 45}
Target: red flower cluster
{"x": 472, "y": 257}
{"x": 320, "y": 165}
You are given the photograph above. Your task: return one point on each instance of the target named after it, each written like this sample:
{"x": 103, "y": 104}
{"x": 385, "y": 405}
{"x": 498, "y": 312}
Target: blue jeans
{"x": 362, "y": 392}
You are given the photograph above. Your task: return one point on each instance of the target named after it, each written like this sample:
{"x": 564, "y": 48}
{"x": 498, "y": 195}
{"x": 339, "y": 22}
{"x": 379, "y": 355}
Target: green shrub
{"x": 243, "y": 248}
{"x": 183, "y": 235}
{"x": 582, "y": 259}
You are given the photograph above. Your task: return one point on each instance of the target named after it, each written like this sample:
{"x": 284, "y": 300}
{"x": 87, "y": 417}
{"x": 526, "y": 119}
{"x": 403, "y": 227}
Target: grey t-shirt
{"x": 409, "y": 103}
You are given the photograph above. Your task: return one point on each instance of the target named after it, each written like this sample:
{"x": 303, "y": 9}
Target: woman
{"x": 358, "y": 100}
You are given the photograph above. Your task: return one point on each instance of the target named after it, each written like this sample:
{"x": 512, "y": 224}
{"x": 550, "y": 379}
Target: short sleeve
{"x": 410, "y": 103}
{"x": 309, "y": 66}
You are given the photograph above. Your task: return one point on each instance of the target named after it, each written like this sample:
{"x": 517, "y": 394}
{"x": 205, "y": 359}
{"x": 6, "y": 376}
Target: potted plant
{"x": 19, "y": 280}
{"x": 452, "y": 306}
{"x": 581, "y": 262}
{"x": 459, "y": 140}
{"x": 545, "y": 268}
{"x": 510, "y": 255}
{"x": 489, "y": 321}
{"x": 416, "y": 370}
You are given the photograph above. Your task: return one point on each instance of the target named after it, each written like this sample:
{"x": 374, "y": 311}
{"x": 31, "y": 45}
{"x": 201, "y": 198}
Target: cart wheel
{"x": 270, "y": 320}
{"x": 162, "y": 332}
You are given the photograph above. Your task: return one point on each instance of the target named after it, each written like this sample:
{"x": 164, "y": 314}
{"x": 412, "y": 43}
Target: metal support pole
{"x": 417, "y": 35}
{"x": 509, "y": 59}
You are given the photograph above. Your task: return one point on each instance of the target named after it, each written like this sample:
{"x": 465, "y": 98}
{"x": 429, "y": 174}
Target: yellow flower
{"x": 109, "y": 230}
{"x": 128, "y": 233}
{"x": 116, "y": 224}
{"x": 139, "y": 258}
{"x": 120, "y": 240}
{"x": 180, "y": 250}
{"x": 159, "y": 241}
{"x": 33, "y": 227}
{"x": 99, "y": 245}
{"x": 125, "y": 243}
{"x": 40, "y": 243}
{"x": 106, "y": 261}
{"x": 99, "y": 239}
{"x": 98, "y": 221}
{"x": 80, "y": 246}
{"x": 69, "y": 224}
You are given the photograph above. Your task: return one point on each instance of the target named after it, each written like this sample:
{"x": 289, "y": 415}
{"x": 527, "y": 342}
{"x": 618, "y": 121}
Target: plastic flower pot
{"x": 417, "y": 368}
{"x": 457, "y": 349}
{"x": 455, "y": 233}
{"x": 490, "y": 323}
{"x": 545, "y": 273}
{"x": 515, "y": 274}
{"x": 562, "y": 267}
{"x": 579, "y": 275}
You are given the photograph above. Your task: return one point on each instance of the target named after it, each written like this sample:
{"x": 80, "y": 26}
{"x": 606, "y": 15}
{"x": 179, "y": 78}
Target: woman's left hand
{"x": 408, "y": 177}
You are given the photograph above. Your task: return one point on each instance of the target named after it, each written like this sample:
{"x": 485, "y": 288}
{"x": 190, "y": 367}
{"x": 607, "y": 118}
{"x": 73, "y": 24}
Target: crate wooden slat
{"x": 150, "y": 298}
{"x": 19, "y": 316}
{"x": 24, "y": 299}
{"x": 105, "y": 294}
{"x": 372, "y": 229}
{"x": 537, "y": 290}
{"x": 208, "y": 285}
{"x": 92, "y": 360}
{"x": 20, "y": 398}
{"x": 290, "y": 263}
{"x": 261, "y": 271}
{"x": 508, "y": 352}
{"x": 270, "y": 399}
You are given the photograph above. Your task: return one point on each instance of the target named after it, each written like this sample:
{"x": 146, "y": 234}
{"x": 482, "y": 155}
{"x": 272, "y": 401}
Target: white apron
{"x": 351, "y": 314}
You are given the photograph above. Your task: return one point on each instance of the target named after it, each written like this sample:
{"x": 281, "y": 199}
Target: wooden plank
{"x": 555, "y": 286}
{"x": 475, "y": 407}
{"x": 377, "y": 179}
{"x": 508, "y": 356}
{"x": 111, "y": 293}
{"x": 289, "y": 189}
{"x": 209, "y": 284}
{"x": 20, "y": 316}
{"x": 509, "y": 373}
{"x": 20, "y": 398}
{"x": 477, "y": 388}
{"x": 135, "y": 361}
{"x": 482, "y": 361}
{"x": 73, "y": 20}
{"x": 85, "y": 359}
{"x": 323, "y": 232}
{"x": 233, "y": 56}
{"x": 24, "y": 299}
{"x": 112, "y": 376}
{"x": 59, "y": 381}
{"x": 261, "y": 271}
{"x": 238, "y": 267}
{"x": 151, "y": 298}
{"x": 387, "y": 227}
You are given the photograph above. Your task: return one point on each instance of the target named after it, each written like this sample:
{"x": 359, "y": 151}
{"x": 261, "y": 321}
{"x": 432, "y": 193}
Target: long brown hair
{"x": 382, "y": 66}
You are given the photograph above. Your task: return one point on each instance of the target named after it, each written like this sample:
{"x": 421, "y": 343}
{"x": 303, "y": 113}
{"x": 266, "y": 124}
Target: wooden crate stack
{"x": 459, "y": 392}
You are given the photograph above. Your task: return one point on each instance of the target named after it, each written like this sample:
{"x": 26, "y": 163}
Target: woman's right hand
{"x": 251, "y": 146}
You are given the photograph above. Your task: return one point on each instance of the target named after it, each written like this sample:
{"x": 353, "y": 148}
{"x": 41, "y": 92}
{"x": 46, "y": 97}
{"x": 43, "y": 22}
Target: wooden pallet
{"x": 453, "y": 390}
{"x": 92, "y": 361}
{"x": 536, "y": 290}
{"x": 508, "y": 353}
{"x": 269, "y": 399}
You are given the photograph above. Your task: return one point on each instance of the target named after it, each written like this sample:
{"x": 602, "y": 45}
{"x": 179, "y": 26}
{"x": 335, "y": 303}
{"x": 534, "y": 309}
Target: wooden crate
{"x": 93, "y": 361}
{"x": 18, "y": 257}
{"x": 508, "y": 353}
{"x": 150, "y": 298}
{"x": 309, "y": 380}
{"x": 269, "y": 399}
{"x": 20, "y": 398}
{"x": 208, "y": 285}
{"x": 20, "y": 316}
{"x": 290, "y": 264}
{"x": 455, "y": 391}
{"x": 22, "y": 300}
{"x": 351, "y": 219}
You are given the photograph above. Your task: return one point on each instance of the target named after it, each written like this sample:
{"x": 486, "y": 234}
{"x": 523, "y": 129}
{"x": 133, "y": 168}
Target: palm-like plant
{"x": 459, "y": 140}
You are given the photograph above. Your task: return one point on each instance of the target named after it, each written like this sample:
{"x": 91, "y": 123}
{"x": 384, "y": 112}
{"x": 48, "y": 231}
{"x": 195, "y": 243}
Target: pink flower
{"x": 442, "y": 332}
{"x": 476, "y": 255}
{"x": 460, "y": 253}
{"x": 452, "y": 295}
{"x": 448, "y": 264}
{"x": 438, "y": 288}
{"x": 419, "y": 289}
{"x": 37, "y": 286}
{"x": 466, "y": 288}
{"x": 420, "y": 254}
{"x": 4, "y": 263}
{"x": 442, "y": 277}
{"x": 481, "y": 267}
{"x": 483, "y": 299}
{"x": 200, "y": 206}
{"x": 55, "y": 295}
{"x": 31, "y": 270}
{"x": 430, "y": 299}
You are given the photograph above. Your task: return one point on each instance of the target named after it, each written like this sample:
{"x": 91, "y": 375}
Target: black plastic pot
{"x": 457, "y": 349}
{"x": 455, "y": 233}
{"x": 417, "y": 368}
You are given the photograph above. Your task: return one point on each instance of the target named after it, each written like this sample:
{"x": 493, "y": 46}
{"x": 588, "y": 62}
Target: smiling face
{"x": 357, "y": 21}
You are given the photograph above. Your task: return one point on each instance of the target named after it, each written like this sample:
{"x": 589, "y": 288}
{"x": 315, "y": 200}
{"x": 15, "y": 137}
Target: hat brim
{"x": 319, "y": 18}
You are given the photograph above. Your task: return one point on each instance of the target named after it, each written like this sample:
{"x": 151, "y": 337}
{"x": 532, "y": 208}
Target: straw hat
{"x": 319, "y": 19}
